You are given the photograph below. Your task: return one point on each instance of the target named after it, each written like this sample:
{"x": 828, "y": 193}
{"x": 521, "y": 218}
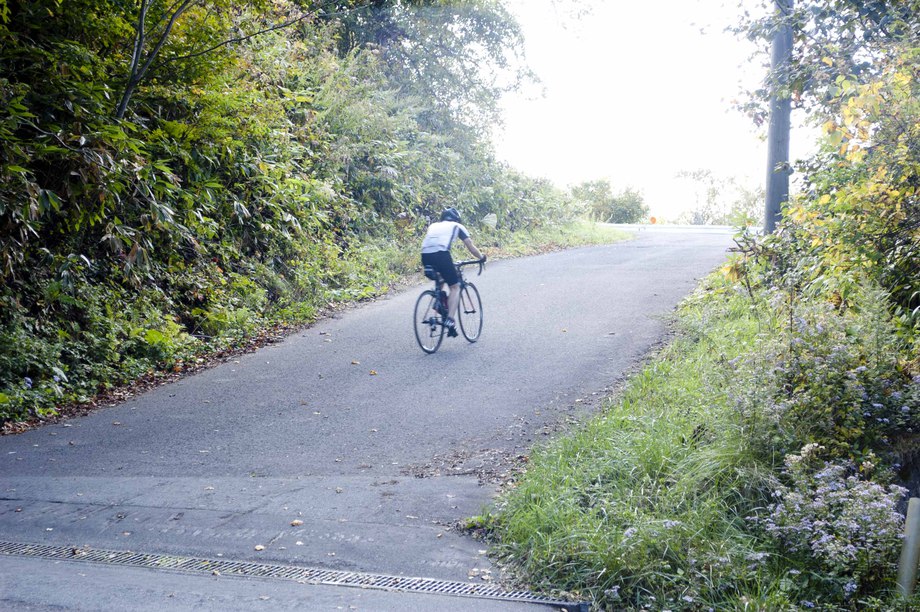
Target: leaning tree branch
{"x": 137, "y": 71}
{"x": 238, "y": 39}
{"x": 137, "y": 74}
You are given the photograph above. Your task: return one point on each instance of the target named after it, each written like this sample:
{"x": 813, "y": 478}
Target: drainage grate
{"x": 195, "y": 565}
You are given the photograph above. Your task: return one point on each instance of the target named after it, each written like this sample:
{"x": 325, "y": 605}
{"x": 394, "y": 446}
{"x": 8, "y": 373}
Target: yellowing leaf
{"x": 732, "y": 270}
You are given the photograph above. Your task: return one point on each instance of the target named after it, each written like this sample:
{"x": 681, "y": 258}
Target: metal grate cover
{"x": 306, "y": 575}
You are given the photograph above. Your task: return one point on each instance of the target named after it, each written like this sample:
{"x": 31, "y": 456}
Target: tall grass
{"x": 654, "y": 504}
{"x": 642, "y": 505}
{"x": 548, "y": 237}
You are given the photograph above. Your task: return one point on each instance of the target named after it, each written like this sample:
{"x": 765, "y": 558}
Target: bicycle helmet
{"x": 451, "y": 214}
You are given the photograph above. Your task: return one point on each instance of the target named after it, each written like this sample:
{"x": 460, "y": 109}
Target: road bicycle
{"x": 431, "y": 309}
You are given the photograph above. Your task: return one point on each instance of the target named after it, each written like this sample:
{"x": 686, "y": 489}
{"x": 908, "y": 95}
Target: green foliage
{"x": 828, "y": 514}
{"x": 834, "y": 41}
{"x": 427, "y": 47}
{"x": 675, "y": 495}
{"x": 831, "y": 377}
{"x": 856, "y": 72}
{"x": 602, "y": 205}
{"x": 751, "y": 466}
{"x": 641, "y": 507}
{"x": 721, "y": 201}
{"x": 150, "y": 212}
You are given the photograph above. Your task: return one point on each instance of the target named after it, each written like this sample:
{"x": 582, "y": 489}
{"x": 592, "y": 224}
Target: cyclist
{"x": 436, "y": 253}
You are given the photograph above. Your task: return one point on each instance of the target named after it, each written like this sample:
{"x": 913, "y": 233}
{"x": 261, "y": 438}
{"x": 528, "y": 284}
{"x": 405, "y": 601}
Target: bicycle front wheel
{"x": 428, "y": 328}
{"x": 469, "y": 311}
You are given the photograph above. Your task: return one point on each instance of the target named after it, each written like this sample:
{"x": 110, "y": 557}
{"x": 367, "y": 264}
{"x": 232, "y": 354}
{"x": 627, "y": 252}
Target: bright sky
{"x": 634, "y": 93}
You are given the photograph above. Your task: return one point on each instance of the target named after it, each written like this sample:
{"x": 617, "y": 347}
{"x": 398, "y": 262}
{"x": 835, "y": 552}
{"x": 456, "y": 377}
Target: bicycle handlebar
{"x": 470, "y": 262}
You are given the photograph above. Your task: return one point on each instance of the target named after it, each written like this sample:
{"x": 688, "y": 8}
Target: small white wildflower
{"x": 671, "y": 524}
{"x": 613, "y": 593}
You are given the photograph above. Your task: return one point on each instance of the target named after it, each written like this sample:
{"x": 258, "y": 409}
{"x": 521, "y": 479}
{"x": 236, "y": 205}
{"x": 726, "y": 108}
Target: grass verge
{"x": 684, "y": 494}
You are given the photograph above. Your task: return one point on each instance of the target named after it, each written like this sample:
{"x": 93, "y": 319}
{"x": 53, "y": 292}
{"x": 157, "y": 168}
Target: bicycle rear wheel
{"x": 428, "y": 328}
{"x": 469, "y": 311}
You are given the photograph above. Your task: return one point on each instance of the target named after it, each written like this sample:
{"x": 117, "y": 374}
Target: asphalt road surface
{"x": 343, "y": 448}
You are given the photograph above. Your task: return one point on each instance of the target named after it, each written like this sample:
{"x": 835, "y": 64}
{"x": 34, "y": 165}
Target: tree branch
{"x": 136, "y": 74}
{"x": 238, "y": 39}
{"x": 137, "y": 71}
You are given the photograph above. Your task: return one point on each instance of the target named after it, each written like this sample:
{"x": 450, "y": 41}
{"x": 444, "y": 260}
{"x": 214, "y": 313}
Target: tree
{"x": 832, "y": 39}
{"x": 856, "y": 72}
{"x": 460, "y": 54}
{"x": 720, "y": 200}
{"x": 626, "y": 207}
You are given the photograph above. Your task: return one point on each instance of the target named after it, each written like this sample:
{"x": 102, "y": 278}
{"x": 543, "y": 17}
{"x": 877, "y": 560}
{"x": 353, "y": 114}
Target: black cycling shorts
{"x": 444, "y": 264}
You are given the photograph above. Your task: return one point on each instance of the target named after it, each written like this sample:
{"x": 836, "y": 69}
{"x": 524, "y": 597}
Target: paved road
{"x": 378, "y": 448}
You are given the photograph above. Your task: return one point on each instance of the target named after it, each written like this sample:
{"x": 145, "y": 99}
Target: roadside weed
{"x": 679, "y": 495}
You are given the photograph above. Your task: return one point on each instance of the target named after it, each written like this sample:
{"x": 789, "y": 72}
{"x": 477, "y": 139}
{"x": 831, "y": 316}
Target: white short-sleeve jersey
{"x": 441, "y": 235}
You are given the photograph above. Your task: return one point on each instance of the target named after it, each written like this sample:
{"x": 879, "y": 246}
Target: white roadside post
{"x": 910, "y": 551}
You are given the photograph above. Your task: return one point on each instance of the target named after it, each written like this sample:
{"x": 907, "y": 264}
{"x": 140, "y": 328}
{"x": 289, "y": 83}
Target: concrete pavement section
{"x": 343, "y": 447}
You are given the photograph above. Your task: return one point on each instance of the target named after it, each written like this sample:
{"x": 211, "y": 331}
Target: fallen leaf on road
{"x": 373, "y": 372}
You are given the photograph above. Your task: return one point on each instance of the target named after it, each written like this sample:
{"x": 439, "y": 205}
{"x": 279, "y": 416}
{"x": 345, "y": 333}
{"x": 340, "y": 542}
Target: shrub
{"x": 841, "y": 530}
{"x": 830, "y": 376}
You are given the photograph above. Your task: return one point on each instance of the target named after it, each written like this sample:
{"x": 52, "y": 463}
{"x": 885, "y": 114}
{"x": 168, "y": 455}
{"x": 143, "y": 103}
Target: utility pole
{"x": 780, "y": 111}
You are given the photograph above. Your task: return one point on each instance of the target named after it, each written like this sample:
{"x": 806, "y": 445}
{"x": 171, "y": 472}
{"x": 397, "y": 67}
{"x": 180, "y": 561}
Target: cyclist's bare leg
{"x": 452, "y": 300}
